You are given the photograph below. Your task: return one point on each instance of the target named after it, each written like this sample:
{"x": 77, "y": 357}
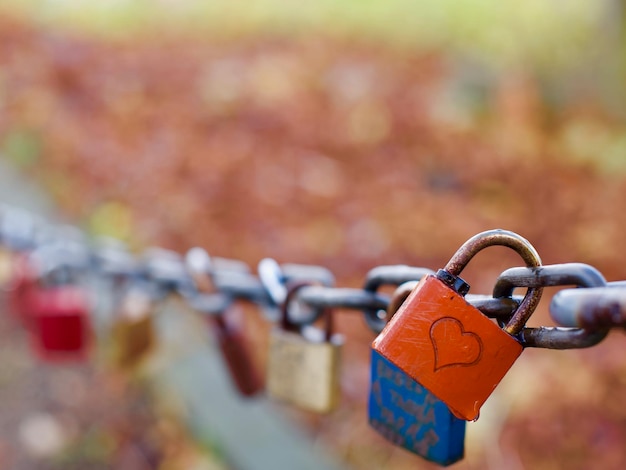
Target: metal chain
{"x": 62, "y": 254}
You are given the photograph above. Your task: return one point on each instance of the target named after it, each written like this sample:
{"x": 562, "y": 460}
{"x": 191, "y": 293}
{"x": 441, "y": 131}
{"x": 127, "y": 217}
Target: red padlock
{"x": 20, "y": 288}
{"x": 59, "y": 322}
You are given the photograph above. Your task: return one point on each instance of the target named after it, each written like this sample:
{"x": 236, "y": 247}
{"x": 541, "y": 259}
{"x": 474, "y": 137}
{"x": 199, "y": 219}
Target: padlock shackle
{"x": 496, "y": 237}
{"x": 519, "y": 244}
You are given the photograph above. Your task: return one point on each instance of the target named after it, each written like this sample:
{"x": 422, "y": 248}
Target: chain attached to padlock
{"x": 448, "y": 346}
{"x": 581, "y": 275}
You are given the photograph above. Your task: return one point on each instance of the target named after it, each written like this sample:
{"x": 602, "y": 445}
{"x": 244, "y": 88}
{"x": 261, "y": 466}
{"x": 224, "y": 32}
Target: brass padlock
{"x": 6, "y": 266}
{"x": 302, "y": 369}
{"x": 132, "y": 334}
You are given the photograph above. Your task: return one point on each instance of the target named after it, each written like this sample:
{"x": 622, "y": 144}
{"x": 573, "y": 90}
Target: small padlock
{"x": 302, "y": 369}
{"x": 225, "y": 321}
{"x": 407, "y": 414}
{"x": 6, "y": 267}
{"x": 59, "y": 322}
{"x": 133, "y": 332}
{"x": 449, "y": 346}
{"x": 22, "y": 285}
{"x": 236, "y": 353}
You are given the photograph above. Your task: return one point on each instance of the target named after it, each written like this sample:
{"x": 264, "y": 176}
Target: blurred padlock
{"x": 21, "y": 288}
{"x": 236, "y": 352}
{"x": 59, "y": 322}
{"x": 446, "y": 344}
{"x": 226, "y": 324}
{"x": 132, "y": 333}
{"x": 303, "y": 366}
{"x": 6, "y": 267}
{"x": 407, "y": 414}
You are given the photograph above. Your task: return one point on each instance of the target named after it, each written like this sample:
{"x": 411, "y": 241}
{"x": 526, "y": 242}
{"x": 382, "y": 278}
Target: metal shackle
{"x": 449, "y": 274}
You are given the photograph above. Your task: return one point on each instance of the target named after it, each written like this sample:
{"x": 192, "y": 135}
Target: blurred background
{"x": 341, "y": 133}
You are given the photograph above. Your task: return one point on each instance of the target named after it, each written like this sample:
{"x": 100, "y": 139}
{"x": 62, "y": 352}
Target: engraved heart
{"x": 453, "y": 345}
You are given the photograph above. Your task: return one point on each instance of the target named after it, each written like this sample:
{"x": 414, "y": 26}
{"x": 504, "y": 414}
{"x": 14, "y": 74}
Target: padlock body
{"x": 133, "y": 338}
{"x": 237, "y": 355}
{"x": 22, "y": 289}
{"x": 6, "y": 267}
{"x": 133, "y": 332}
{"x": 448, "y": 346}
{"x": 302, "y": 372}
{"x": 408, "y": 415}
{"x": 59, "y": 323}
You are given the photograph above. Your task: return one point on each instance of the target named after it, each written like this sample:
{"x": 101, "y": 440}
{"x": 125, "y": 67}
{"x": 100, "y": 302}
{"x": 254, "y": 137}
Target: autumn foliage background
{"x": 349, "y": 136}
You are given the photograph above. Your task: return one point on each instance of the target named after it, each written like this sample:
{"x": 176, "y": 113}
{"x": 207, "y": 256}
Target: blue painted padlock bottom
{"x": 408, "y": 415}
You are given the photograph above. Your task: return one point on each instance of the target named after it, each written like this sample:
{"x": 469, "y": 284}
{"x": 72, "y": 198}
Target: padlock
{"x": 447, "y": 345}
{"x": 133, "y": 333}
{"x": 303, "y": 369}
{"x": 236, "y": 353}
{"x": 6, "y": 267}
{"x": 225, "y": 320}
{"x": 407, "y": 414}
{"x": 59, "y": 322}
{"x": 24, "y": 283}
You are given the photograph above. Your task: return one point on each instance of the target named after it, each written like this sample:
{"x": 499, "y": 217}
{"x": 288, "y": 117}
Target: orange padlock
{"x": 449, "y": 346}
